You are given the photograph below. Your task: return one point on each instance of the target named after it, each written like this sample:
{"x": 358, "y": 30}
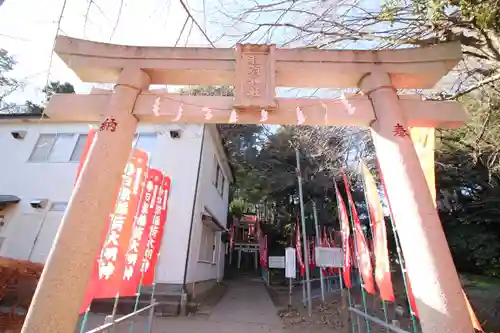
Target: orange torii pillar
{"x": 433, "y": 276}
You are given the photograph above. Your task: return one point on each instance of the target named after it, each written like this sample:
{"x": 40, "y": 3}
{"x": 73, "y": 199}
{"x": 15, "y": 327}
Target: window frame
{"x": 34, "y": 148}
{"x": 220, "y": 180}
{"x": 78, "y": 136}
{"x": 137, "y": 138}
{"x": 53, "y": 206}
{"x": 75, "y": 137}
{"x": 223, "y": 184}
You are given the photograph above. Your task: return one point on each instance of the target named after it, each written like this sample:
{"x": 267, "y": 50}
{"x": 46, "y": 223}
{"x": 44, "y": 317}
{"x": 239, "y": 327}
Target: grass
{"x": 483, "y": 282}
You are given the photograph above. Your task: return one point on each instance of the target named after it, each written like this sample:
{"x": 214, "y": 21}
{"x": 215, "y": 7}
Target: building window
{"x": 61, "y": 147}
{"x": 58, "y": 206}
{"x": 208, "y": 245}
{"x": 42, "y": 147}
{"x": 80, "y": 145}
{"x": 219, "y": 180}
{"x": 145, "y": 142}
{"x": 222, "y": 184}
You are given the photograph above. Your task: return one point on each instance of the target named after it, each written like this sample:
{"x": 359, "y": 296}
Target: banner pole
{"x": 341, "y": 269}
{"x": 304, "y": 233}
{"x": 149, "y": 323}
{"x": 143, "y": 271}
{"x": 134, "y": 222}
{"x": 84, "y": 320}
{"x": 361, "y": 282}
{"x": 136, "y": 305}
{"x": 400, "y": 258}
{"x": 113, "y": 313}
{"x": 318, "y": 242}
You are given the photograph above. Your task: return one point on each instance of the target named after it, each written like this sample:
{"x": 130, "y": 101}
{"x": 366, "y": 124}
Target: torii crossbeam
{"x": 255, "y": 71}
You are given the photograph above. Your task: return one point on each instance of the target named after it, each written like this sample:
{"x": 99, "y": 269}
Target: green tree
{"x": 54, "y": 87}
{"x": 7, "y": 84}
{"x": 468, "y": 179}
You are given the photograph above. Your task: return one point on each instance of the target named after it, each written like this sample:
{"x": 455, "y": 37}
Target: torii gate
{"x": 255, "y": 71}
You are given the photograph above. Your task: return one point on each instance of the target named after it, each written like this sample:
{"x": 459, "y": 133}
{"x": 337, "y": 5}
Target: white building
{"x": 37, "y": 174}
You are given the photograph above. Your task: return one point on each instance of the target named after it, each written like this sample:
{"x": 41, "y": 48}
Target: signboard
{"x": 277, "y": 262}
{"x": 290, "y": 263}
{"x": 329, "y": 257}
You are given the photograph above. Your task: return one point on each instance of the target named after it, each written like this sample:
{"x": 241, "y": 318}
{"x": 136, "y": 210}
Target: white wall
{"x": 30, "y": 181}
{"x": 54, "y": 181}
{"x": 212, "y": 202}
{"x": 179, "y": 160}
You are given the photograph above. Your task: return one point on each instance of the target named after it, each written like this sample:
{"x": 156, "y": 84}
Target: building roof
{"x": 22, "y": 116}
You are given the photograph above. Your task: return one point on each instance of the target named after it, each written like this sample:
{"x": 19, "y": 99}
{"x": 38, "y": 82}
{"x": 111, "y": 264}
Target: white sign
{"x": 277, "y": 262}
{"x": 290, "y": 263}
{"x": 329, "y": 257}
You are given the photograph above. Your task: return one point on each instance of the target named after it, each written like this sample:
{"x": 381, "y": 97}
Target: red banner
{"x": 262, "y": 249}
{"x": 324, "y": 243}
{"x": 311, "y": 249}
{"x": 411, "y": 297}
{"x": 265, "y": 251}
{"x": 382, "y": 263}
{"x": 298, "y": 249}
{"x": 112, "y": 263}
{"x": 152, "y": 251}
{"x": 231, "y": 236}
{"x": 328, "y": 242}
{"x": 345, "y": 231}
{"x": 86, "y": 148}
{"x": 109, "y": 265}
{"x": 140, "y": 235}
{"x": 361, "y": 245}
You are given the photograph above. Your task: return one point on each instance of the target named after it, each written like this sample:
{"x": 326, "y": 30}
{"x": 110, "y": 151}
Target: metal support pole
{"x": 303, "y": 292}
{"x": 256, "y": 256}
{"x": 149, "y": 329}
{"x": 113, "y": 314}
{"x": 304, "y": 234}
{"x": 318, "y": 242}
{"x": 290, "y": 285}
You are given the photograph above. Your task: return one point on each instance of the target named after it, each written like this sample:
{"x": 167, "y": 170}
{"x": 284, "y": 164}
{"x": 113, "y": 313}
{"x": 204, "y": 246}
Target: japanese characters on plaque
{"x": 254, "y": 79}
{"x": 255, "y": 88}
